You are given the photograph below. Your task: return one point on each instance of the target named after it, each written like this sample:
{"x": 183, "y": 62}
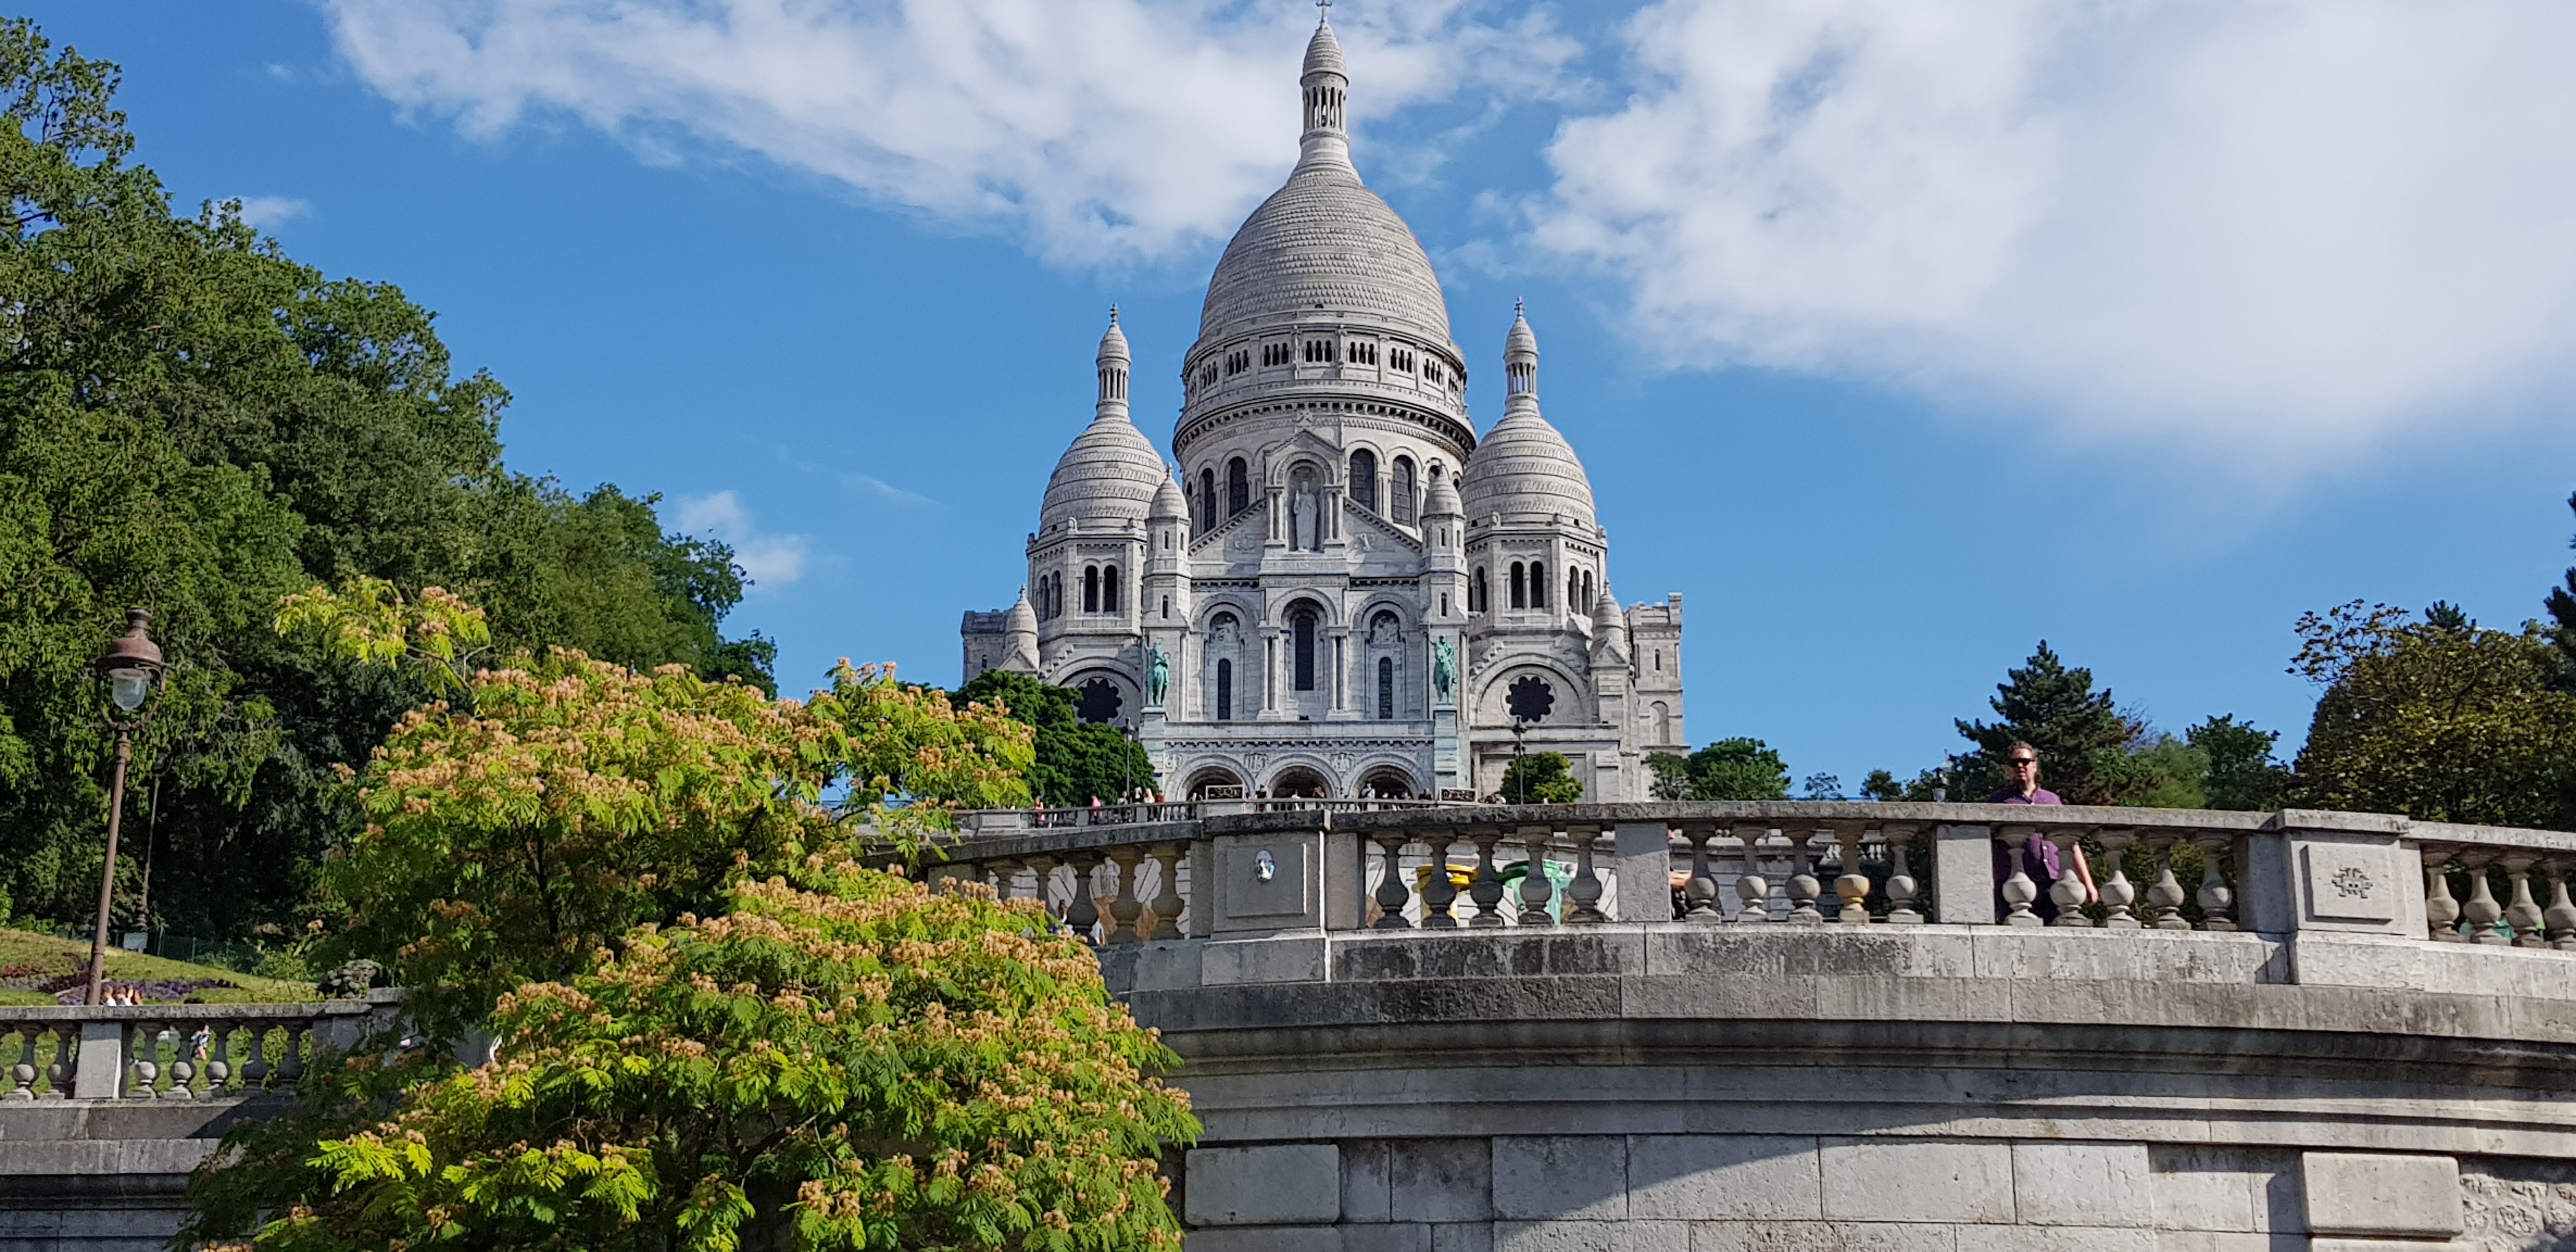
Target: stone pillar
{"x": 1963, "y": 875}
{"x": 1644, "y": 855}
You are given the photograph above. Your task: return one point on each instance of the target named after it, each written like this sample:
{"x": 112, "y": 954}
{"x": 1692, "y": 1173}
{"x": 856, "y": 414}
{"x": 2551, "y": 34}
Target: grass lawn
{"x": 19, "y": 947}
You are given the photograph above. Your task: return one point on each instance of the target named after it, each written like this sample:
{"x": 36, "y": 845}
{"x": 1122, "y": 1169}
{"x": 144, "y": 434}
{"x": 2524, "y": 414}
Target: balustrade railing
{"x": 1400, "y": 865}
{"x": 167, "y": 1052}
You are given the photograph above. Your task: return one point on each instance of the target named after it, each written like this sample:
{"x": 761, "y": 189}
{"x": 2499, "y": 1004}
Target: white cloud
{"x": 1106, "y": 130}
{"x": 2251, "y": 226}
{"x": 270, "y": 212}
{"x": 767, "y": 560}
{"x": 868, "y": 484}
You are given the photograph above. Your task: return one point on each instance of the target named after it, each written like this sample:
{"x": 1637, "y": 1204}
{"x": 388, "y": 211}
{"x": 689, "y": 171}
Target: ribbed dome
{"x": 1524, "y": 470}
{"x": 1324, "y": 247}
{"x": 1442, "y": 499}
{"x": 1022, "y": 619}
{"x": 1108, "y": 475}
{"x": 1169, "y": 505}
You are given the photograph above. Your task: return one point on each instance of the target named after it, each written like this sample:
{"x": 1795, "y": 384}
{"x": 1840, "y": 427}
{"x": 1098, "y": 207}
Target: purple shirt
{"x": 2038, "y": 856}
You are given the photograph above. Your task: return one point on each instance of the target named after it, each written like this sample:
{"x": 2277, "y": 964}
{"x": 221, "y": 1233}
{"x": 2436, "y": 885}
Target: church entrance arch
{"x": 1215, "y": 783}
{"x": 1299, "y": 783}
{"x": 1386, "y": 782}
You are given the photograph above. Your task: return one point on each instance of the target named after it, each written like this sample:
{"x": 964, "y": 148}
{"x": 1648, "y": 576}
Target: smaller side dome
{"x": 1609, "y": 627}
{"x": 1022, "y": 619}
{"x": 1020, "y": 636}
{"x": 1442, "y": 499}
{"x": 1169, "y": 505}
{"x": 1524, "y": 470}
{"x": 1110, "y": 472}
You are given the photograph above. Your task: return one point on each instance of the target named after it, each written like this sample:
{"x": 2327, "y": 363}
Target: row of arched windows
{"x": 1529, "y": 588}
{"x": 1304, "y": 627}
{"x": 1100, "y": 591}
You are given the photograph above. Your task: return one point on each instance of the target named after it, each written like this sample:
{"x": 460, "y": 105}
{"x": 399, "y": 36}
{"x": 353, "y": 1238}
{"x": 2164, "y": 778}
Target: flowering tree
{"x": 864, "y": 1065}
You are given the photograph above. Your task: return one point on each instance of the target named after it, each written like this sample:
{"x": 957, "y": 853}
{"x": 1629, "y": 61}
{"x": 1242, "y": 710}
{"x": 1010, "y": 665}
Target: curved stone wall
{"x": 1953, "y": 1087}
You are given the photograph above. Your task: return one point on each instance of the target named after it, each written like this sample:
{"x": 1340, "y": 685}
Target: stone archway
{"x": 1387, "y": 782}
{"x": 1300, "y": 782}
{"x": 1214, "y": 782}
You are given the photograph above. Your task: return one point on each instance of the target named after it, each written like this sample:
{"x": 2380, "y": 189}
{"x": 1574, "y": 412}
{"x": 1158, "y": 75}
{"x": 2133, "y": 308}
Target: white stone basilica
{"x": 1346, "y": 593}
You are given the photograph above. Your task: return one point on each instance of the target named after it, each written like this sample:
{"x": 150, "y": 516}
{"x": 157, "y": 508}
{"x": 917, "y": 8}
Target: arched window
{"x": 1109, "y": 589}
{"x": 1207, "y": 499}
{"x": 1663, "y": 722}
{"x": 1224, "y": 690}
{"x": 1364, "y": 479}
{"x": 1520, "y": 589}
{"x": 1402, "y": 489}
{"x": 1574, "y": 602}
{"x": 1588, "y": 592}
{"x": 1238, "y": 487}
{"x": 1386, "y": 689}
{"x": 1090, "y": 588}
{"x": 1538, "y": 584}
{"x": 1478, "y": 592}
{"x": 1302, "y": 622}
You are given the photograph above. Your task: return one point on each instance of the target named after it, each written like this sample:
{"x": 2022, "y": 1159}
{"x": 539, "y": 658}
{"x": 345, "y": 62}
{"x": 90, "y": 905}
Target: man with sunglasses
{"x": 2038, "y": 856}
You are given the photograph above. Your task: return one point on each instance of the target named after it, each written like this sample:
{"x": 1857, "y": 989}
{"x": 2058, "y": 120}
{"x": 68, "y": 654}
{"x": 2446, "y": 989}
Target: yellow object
{"x": 1459, "y": 876}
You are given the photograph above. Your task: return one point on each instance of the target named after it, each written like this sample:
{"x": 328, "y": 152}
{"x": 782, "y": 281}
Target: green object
{"x": 1541, "y": 778}
{"x": 1559, "y": 877}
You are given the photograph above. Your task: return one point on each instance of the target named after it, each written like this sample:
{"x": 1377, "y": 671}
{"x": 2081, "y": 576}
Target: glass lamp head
{"x": 127, "y": 688}
{"x": 131, "y": 662}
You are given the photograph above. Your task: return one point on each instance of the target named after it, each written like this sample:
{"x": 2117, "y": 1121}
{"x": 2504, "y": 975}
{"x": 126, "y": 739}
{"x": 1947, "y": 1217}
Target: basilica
{"x": 1344, "y": 592}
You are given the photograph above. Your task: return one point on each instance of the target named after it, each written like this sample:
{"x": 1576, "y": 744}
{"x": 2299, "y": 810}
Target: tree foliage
{"x": 1076, "y": 761}
{"x": 193, "y": 423}
{"x": 1541, "y": 778}
{"x": 1737, "y": 769}
{"x": 2561, "y": 605}
{"x": 561, "y": 801}
{"x": 860, "y": 1065}
{"x": 2055, "y": 709}
{"x": 2241, "y": 771}
{"x": 2442, "y": 721}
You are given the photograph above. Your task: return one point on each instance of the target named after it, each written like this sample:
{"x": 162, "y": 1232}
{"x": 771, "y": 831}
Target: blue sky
{"x": 1895, "y": 337}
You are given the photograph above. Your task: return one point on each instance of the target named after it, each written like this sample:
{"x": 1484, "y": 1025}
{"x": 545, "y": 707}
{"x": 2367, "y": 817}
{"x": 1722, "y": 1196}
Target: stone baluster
{"x": 1082, "y": 912}
{"x": 1042, "y": 874}
{"x": 2068, "y": 891}
{"x": 2480, "y": 910}
{"x": 2019, "y": 891}
{"x": 1536, "y": 887}
{"x": 2165, "y": 895}
{"x": 2523, "y": 912}
{"x": 1167, "y": 900}
{"x": 66, "y": 1063}
{"x": 1126, "y": 862}
{"x": 1439, "y": 893}
{"x": 22, "y": 1069}
{"x": 219, "y": 1067}
{"x": 185, "y": 1064}
{"x": 1752, "y": 890}
{"x": 2217, "y": 898}
{"x": 1901, "y": 886}
{"x": 2118, "y": 893}
{"x": 254, "y": 1067}
{"x": 1487, "y": 888}
{"x": 141, "y": 1071}
{"x": 1393, "y": 893}
{"x": 996, "y": 875}
{"x": 2441, "y": 911}
{"x": 1701, "y": 890}
{"x": 1804, "y": 889}
{"x": 2561, "y": 913}
{"x": 1583, "y": 895}
{"x": 290, "y": 1059}
{"x": 1852, "y": 888}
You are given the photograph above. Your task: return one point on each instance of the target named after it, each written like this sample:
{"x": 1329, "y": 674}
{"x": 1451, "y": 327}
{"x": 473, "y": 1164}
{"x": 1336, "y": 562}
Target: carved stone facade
{"x": 1345, "y": 592}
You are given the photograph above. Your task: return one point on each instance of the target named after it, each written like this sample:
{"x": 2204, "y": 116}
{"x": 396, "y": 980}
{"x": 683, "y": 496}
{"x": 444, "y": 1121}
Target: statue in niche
{"x": 1444, "y": 669}
{"x": 1158, "y": 675}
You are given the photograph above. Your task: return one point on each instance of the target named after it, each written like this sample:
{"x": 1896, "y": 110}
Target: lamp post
{"x": 1520, "y": 769}
{"x": 132, "y": 666}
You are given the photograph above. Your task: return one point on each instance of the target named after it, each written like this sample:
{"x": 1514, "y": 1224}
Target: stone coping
{"x": 75, "y": 1014}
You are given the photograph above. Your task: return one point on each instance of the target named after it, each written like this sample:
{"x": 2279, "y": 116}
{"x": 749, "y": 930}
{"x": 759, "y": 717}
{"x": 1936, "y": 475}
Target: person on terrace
{"x": 2038, "y": 856}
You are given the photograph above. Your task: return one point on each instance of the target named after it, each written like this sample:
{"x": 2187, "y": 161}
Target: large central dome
{"x": 1324, "y": 247}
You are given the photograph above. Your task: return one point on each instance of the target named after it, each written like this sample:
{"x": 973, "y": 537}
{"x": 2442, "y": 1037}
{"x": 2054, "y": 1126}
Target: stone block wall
{"x": 1821, "y": 1193}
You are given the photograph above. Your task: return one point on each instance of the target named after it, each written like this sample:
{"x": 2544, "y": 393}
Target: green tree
{"x": 2055, "y": 709}
{"x": 1672, "y": 779}
{"x": 2242, "y": 772}
{"x": 861, "y": 1065}
{"x": 1077, "y": 761}
{"x": 1738, "y": 769}
{"x": 193, "y": 423}
{"x": 1541, "y": 778}
{"x": 2440, "y": 722}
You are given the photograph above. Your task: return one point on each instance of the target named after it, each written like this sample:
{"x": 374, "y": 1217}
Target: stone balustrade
{"x": 169, "y": 1051}
{"x": 1367, "y": 866}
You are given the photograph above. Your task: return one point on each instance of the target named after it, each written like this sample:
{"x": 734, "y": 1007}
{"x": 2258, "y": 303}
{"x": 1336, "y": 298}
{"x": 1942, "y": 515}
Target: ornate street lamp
{"x": 132, "y": 666}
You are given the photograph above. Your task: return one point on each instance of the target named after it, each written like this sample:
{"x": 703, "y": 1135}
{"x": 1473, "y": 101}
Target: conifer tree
{"x": 2055, "y": 709}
